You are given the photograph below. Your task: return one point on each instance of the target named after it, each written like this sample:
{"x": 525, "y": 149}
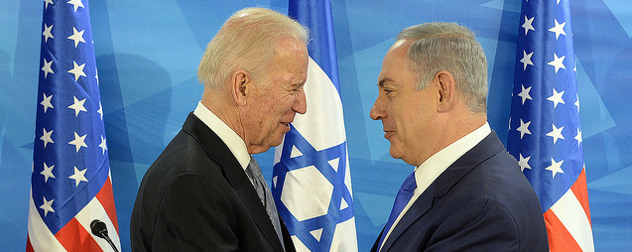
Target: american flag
{"x": 544, "y": 129}
{"x": 311, "y": 180}
{"x": 71, "y": 184}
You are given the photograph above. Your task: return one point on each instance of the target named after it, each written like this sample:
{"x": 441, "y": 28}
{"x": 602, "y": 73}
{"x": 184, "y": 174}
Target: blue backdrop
{"x": 147, "y": 54}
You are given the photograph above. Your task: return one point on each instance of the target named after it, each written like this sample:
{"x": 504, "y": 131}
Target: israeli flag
{"x": 311, "y": 180}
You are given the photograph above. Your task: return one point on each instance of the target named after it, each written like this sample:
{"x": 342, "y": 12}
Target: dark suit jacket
{"x": 482, "y": 202}
{"x": 196, "y": 197}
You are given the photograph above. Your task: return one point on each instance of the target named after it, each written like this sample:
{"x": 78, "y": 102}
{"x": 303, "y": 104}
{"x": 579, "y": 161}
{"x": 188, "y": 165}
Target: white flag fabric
{"x": 311, "y": 177}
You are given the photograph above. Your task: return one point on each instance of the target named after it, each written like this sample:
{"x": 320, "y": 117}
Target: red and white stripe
{"x": 76, "y": 234}
{"x": 568, "y": 220}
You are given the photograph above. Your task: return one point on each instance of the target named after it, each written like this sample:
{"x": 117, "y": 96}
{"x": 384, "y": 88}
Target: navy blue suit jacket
{"x": 197, "y": 197}
{"x": 482, "y": 202}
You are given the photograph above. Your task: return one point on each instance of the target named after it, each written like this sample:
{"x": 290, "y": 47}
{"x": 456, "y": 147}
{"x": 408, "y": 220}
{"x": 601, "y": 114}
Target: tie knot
{"x": 410, "y": 183}
{"x": 253, "y": 163}
{"x": 253, "y": 168}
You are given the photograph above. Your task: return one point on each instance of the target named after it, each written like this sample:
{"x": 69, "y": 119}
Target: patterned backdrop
{"x": 147, "y": 54}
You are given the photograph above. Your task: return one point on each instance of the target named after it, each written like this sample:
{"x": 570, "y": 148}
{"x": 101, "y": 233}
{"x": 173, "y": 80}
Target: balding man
{"x": 466, "y": 192}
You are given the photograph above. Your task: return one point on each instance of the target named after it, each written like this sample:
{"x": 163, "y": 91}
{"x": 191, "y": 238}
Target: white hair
{"x": 246, "y": 41}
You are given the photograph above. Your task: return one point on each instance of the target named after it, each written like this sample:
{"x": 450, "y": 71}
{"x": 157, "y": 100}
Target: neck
{"x": 454, "y": 127}
{"x": 460, "y": 126}
{"x": 226, "y": 110}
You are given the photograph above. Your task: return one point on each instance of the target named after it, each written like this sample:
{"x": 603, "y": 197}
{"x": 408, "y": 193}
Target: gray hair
{"x": 449, "y": 47}
{"x": 247, "y": 40}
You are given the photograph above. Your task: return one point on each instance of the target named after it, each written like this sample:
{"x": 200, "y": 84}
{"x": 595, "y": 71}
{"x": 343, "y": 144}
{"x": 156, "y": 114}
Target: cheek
{"x": 270, "y": 118}
{"x": 282, "y": 108}
{"x": 403, "y": 134}
{"x": 408, "y": 125}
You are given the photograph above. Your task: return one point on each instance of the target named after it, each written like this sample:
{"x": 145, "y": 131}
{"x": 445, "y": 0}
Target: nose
{"x": 377, "y": 111}
{"x": 300, "y": 103}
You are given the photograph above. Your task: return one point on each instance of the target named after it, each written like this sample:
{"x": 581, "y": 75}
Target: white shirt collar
{"x": 429, "y": 170}
{"x": 236, "y": 145}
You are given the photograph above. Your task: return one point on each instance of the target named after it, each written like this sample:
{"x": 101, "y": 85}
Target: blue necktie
{"x": 403, "y": 196}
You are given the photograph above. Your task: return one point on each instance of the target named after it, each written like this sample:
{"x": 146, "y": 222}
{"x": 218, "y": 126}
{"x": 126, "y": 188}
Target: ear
{"x": 447, "y": 91}
{"x": 241, "y": 85}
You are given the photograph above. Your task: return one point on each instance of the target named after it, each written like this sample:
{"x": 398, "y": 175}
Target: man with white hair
{"x": 205, "y": 192}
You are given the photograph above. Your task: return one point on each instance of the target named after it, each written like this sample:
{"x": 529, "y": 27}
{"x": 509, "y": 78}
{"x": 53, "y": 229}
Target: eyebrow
{"x": 382, "y": 82}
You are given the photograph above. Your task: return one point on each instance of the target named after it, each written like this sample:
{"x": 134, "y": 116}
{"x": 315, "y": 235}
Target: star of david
{"x": 318, "y": 159}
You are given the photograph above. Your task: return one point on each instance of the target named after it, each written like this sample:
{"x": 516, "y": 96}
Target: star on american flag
{"x": 70, "y": 183}
{"x": 545, "y": 133}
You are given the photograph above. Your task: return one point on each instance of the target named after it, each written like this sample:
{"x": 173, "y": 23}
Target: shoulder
{"x": 182, "y": 162}
{"x": 495, "y": 196}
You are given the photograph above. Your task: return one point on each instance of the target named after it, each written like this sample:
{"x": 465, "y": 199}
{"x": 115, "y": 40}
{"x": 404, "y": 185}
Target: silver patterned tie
{"x": 254, "y": 174}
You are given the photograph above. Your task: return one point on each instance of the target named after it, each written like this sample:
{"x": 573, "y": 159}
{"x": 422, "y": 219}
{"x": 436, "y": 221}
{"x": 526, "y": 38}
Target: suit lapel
{"x": 416, "y": 210}
{"x": 234, "y": 173}
{"x": 488, "y": 147}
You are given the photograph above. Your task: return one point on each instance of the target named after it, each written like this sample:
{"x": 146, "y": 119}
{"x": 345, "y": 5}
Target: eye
{"x": 297, "y": 88}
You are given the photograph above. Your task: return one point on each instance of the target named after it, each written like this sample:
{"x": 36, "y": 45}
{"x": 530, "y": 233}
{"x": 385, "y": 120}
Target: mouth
{"x": 286, "y": 125}
{"x": 388, "y": 134}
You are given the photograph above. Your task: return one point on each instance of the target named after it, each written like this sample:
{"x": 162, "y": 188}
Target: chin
{"x": 395, "y": 153}
{"x": 276, "y": 141}
{"x": 275, "y": 144}
{"x": 259, "y": 149}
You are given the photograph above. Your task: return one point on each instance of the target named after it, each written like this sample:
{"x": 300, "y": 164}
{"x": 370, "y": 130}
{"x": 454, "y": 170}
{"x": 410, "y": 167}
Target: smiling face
{"x": 277, "y": 97}
{"x": 408, "y": 116}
